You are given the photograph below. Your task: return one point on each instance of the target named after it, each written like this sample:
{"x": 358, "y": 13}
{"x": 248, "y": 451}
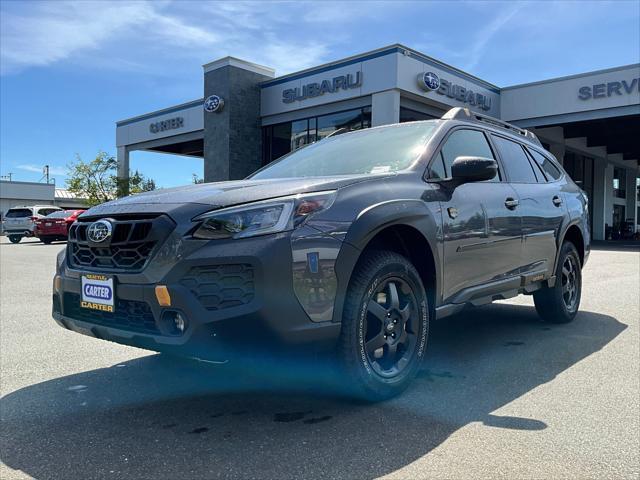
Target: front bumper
{"x": 232, "y": 293}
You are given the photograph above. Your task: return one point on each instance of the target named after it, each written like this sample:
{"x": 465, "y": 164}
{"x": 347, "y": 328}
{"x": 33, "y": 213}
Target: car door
{"x": 481, "y": 229}
{"x": 541, "y": 208}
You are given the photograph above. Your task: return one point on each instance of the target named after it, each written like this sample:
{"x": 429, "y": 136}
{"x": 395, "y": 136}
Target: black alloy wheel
{"x": 560, "y": 303}
{"x": 391, "y": 330}
{"x": 385, "y": 326}
{"x": 570, "y": 283}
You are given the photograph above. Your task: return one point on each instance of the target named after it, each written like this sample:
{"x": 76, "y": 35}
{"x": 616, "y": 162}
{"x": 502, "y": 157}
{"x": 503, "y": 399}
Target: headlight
{"x": 261, "y": 218}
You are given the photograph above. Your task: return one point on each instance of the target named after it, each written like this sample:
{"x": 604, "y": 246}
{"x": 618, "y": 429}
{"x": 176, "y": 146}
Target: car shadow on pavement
{"x": 158, "y": 417}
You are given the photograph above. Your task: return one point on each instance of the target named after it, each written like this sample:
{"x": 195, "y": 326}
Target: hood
{"x": 208, "y": 196}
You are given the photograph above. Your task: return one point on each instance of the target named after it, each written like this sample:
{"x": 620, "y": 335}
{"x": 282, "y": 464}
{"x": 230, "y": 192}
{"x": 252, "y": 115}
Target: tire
{"x": 384, "y": 335}
{"x": 15, "y": 238}
{"x": 560, "y": 303}
{"x": 46, "y": 240}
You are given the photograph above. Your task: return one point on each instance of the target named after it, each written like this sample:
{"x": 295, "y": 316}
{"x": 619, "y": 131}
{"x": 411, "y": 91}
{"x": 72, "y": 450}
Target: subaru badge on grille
{"x": 99, "y": 231}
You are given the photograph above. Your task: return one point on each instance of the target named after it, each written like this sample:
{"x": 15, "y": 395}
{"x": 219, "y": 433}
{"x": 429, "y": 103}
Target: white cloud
{"x": 486, "y": 34}
{"x": 53, "y": 170}
{"x": 54, "y": 31}
{"x": 146, "y": 36}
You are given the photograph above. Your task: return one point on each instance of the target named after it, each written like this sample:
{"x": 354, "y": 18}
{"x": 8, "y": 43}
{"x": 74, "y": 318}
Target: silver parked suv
{"x": 21, "y": 221}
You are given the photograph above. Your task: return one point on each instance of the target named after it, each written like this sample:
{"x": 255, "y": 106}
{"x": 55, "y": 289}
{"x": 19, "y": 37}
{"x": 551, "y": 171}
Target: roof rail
{"x": 459, "y": 113}
{"x": 339, "y": 131}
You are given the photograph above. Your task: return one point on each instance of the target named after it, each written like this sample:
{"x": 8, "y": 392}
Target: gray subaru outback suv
{"x": 354, "y": 243}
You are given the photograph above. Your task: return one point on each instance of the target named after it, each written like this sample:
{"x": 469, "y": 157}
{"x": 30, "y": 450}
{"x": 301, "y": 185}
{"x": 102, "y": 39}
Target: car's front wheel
{"x": 559, "y": 304}
{"x": 385, "y": 325}
{"x": 15, "y": 238}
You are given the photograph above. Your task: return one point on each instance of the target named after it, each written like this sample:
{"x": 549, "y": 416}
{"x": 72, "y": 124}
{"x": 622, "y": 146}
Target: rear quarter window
{"x": 18, "y": 213}
{"x": 551, "y": 171}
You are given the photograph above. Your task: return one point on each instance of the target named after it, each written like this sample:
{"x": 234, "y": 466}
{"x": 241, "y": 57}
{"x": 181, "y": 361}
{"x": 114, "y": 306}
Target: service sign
{"x": 97, "y": 292}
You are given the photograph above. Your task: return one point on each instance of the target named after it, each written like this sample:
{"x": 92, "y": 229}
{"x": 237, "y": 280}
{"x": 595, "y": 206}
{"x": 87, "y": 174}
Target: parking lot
{"x": 501, "y": 395}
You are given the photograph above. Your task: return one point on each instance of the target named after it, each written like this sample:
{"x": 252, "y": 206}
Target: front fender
{"x": 373, "y": 220}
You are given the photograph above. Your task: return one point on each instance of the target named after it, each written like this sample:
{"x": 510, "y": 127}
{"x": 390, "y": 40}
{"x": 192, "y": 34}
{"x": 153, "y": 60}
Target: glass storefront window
{"x": 283, "y": 138}
{"x": 408, "y": 115}
{"x": 619, "y": 183}
{"x": 299, "y": 134}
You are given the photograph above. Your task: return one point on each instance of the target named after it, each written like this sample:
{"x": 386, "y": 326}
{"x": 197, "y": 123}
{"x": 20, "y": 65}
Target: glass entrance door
{"x": 580, "y": 169}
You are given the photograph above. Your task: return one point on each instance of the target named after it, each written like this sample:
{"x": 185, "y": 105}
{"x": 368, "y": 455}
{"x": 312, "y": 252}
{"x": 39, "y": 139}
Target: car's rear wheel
{"x": 15, "y": 238}
{"x": 384, "y": 327}
{"x": 46, "y": 240}
{"x": 560, "y": 303}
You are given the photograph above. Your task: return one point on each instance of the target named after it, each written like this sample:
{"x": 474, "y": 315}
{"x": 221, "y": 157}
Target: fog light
{"x": 180, "y": 323}
{"x": 162, "y": 295}
{"x": 173, "y": 323}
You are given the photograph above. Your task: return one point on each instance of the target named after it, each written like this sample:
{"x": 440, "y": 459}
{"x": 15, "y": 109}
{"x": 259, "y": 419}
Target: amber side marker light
{"x": 162, "y": 295}
{"x": 56, "y": 283}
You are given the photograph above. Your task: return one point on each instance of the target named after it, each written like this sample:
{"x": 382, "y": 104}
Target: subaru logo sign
{"x": 99, "y": 231}
{"x": 213, "y": 103}
{"x": 429, "y": 81}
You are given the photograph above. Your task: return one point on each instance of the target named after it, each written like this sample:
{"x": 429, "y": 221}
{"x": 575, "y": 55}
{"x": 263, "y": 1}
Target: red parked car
{"x": 55, "y": 226}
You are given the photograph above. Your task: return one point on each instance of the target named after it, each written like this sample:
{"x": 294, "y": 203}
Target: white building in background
{"x": 14, "y": 194}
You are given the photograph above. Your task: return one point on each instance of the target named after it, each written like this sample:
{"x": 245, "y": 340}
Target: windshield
{"x": 379, "y": 150}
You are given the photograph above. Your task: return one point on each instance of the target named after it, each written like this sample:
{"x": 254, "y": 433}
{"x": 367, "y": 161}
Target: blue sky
{"x": 70, "y": 70}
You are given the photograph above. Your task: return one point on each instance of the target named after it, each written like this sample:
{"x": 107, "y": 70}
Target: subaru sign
{"x": 431, "y": 82}
{"x": 316, "y": 89}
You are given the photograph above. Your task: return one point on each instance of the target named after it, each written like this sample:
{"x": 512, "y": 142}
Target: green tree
{"x": 97, "y": 180}
{"x": 196, "y": 179}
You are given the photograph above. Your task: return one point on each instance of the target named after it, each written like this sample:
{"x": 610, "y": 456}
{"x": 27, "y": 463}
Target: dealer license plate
{"x": 97, "y": 292}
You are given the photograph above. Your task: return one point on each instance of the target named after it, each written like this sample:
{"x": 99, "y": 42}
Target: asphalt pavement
{"x": 500, "y": 395}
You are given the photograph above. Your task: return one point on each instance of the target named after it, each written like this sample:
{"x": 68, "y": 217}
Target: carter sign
{"x": 170, "y": 124}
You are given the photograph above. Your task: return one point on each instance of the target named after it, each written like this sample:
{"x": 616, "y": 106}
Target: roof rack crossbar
{"x": 459, "y": 113}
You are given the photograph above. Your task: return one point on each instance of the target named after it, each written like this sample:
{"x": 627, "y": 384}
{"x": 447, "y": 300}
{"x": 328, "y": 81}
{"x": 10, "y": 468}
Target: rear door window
{"x": 18, "y": 213}
{"x": 551, "y": 171}
{"x": 515, "y": 161}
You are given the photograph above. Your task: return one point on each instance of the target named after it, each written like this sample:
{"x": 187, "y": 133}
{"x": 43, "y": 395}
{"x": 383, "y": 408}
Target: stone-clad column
{"x": 232, "y": 130}
{"x": 123, "y": 171}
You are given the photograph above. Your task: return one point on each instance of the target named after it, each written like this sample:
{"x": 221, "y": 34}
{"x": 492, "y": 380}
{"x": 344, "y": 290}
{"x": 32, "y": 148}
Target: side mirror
{"x": 473, "y": 169}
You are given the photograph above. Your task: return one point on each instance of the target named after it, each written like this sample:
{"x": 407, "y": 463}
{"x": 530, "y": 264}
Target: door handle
{"x": 557, "y": 201}
{"x": 511, "y": 203}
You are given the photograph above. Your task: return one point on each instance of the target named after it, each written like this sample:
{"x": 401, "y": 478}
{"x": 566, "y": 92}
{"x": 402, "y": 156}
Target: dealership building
{"x": 248, "y": 117}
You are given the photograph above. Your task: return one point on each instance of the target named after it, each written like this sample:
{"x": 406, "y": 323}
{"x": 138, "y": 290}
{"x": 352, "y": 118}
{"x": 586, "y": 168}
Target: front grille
{"x": 130, "y": 247}
{"x": 221, "y": 286}
{"x": 128, "y": 315}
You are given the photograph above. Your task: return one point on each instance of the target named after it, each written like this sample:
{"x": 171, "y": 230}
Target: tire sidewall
{"x": 373, "y": 381}
{"x": 569, "y": 250}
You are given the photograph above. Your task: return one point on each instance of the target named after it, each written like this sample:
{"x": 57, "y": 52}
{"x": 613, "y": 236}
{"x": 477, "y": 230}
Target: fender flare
{"x": 561, "y": 238}
{"x": 373, "y": 220}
